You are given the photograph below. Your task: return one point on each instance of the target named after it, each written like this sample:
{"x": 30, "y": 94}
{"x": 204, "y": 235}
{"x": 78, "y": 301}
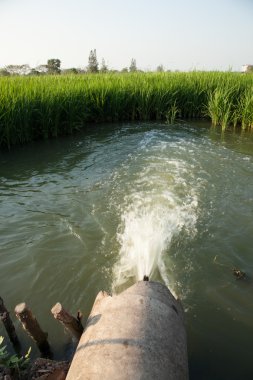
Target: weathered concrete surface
{"x": 138, "y": 334}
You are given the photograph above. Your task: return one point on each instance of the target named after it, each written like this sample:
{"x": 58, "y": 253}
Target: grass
{"x": 48, "y": 106}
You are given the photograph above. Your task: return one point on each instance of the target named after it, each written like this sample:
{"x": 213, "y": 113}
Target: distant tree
{"x": 160, "y": 69}
{"x": 72, "y": 70}
{"x": 133, "y": 67}
{"x": 124, "y": 70}
{"x": 18, "y": 69}
{"x": 82, "y": 71}
{"x": 92, "y": 62}
{"x": 12, "y": 69}
{"x": 4, "y": 72}
{"x": 34, "y": 72}
{"x": 54, "y": 66}
{"x": 42, "y": 69}
{"x": 104, "y": 67}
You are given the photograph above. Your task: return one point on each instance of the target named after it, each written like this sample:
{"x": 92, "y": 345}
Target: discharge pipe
{"x": 138, "y": 334}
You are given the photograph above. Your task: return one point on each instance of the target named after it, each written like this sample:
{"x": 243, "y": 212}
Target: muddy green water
{"x": 100, "y": 209}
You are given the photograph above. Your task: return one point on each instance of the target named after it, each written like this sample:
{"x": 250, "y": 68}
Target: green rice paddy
{"x": 49, "y": 106}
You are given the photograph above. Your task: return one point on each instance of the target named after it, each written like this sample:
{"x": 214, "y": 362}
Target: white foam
{"x": 159, "y": 205}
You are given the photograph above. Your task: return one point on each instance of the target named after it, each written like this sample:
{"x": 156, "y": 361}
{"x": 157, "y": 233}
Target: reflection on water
{"x": 240, "y": 141}
{"x": 99, "y": 210}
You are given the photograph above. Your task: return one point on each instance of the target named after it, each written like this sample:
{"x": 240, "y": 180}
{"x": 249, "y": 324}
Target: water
{"x": 157, "y": 205}
{"x": 102, "y": 209}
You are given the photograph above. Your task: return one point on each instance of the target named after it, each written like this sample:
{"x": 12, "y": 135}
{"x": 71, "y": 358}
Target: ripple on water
{"x": 99, "y": 211}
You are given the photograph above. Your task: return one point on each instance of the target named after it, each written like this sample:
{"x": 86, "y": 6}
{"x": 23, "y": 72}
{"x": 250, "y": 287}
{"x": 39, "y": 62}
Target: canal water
{"x": 104, "y": 208}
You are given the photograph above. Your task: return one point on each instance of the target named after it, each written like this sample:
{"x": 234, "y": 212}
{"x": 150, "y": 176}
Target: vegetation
{"x": 92, "y": 62}
{"x": 13, "y": 362}
{"x": 103, "y": 67}
{"x": 53, "y": 66}
{"x": 133, "y": 66}
{"x": 33, "y": 107}
{"x": 160, "y": 69}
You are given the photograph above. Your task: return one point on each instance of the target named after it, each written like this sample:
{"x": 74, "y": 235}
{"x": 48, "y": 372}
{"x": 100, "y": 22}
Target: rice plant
{"x": 172, "y": 114}
{"x": 245, "y": 109}
{"x": 48, "y": 106}
{"x": 219, "y": 107}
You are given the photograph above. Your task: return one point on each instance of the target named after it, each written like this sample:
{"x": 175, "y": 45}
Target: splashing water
{"x": 159, "y": 205}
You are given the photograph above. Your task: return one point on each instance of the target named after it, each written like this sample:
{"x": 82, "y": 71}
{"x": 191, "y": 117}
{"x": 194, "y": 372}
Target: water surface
{"x": 101, "y": 209}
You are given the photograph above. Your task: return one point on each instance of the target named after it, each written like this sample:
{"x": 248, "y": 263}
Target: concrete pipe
{"x": 138, "y": 334}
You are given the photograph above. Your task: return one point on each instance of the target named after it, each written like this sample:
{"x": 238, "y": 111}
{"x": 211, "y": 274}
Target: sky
{"x": 179, "y": 34}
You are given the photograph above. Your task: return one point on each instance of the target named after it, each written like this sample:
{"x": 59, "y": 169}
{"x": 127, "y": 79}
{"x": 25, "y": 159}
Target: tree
{"x": 160, "y": 69}
{"x": 133, "y": 67}
{"x": 124, "y": 70}
{"x": 72, "y": 70}
{"x": 92, "y": 62}
{"x": 53, "y": 66}
{"x": 4, "y": 73}
{"x": 42, "y": 69}
{"x": 18, "y": 69}
{"x": 249, "y": 69}
{"x": 104, "y": 67}
{"x": 34, "y": 72}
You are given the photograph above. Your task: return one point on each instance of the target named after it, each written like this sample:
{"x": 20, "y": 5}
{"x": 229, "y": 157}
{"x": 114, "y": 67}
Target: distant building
{"x": 247, "y": 68}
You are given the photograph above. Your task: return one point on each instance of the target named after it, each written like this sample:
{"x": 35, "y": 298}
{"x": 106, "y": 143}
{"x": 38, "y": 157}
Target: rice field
{"x": 49, "y": 106}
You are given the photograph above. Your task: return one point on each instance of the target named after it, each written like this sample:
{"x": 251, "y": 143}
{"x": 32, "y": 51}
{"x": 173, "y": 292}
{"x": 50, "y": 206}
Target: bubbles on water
{"x": 158, "y": 204}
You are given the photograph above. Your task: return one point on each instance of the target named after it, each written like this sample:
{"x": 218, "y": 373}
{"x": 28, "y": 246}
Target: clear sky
{"x": 180, "y": 34}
